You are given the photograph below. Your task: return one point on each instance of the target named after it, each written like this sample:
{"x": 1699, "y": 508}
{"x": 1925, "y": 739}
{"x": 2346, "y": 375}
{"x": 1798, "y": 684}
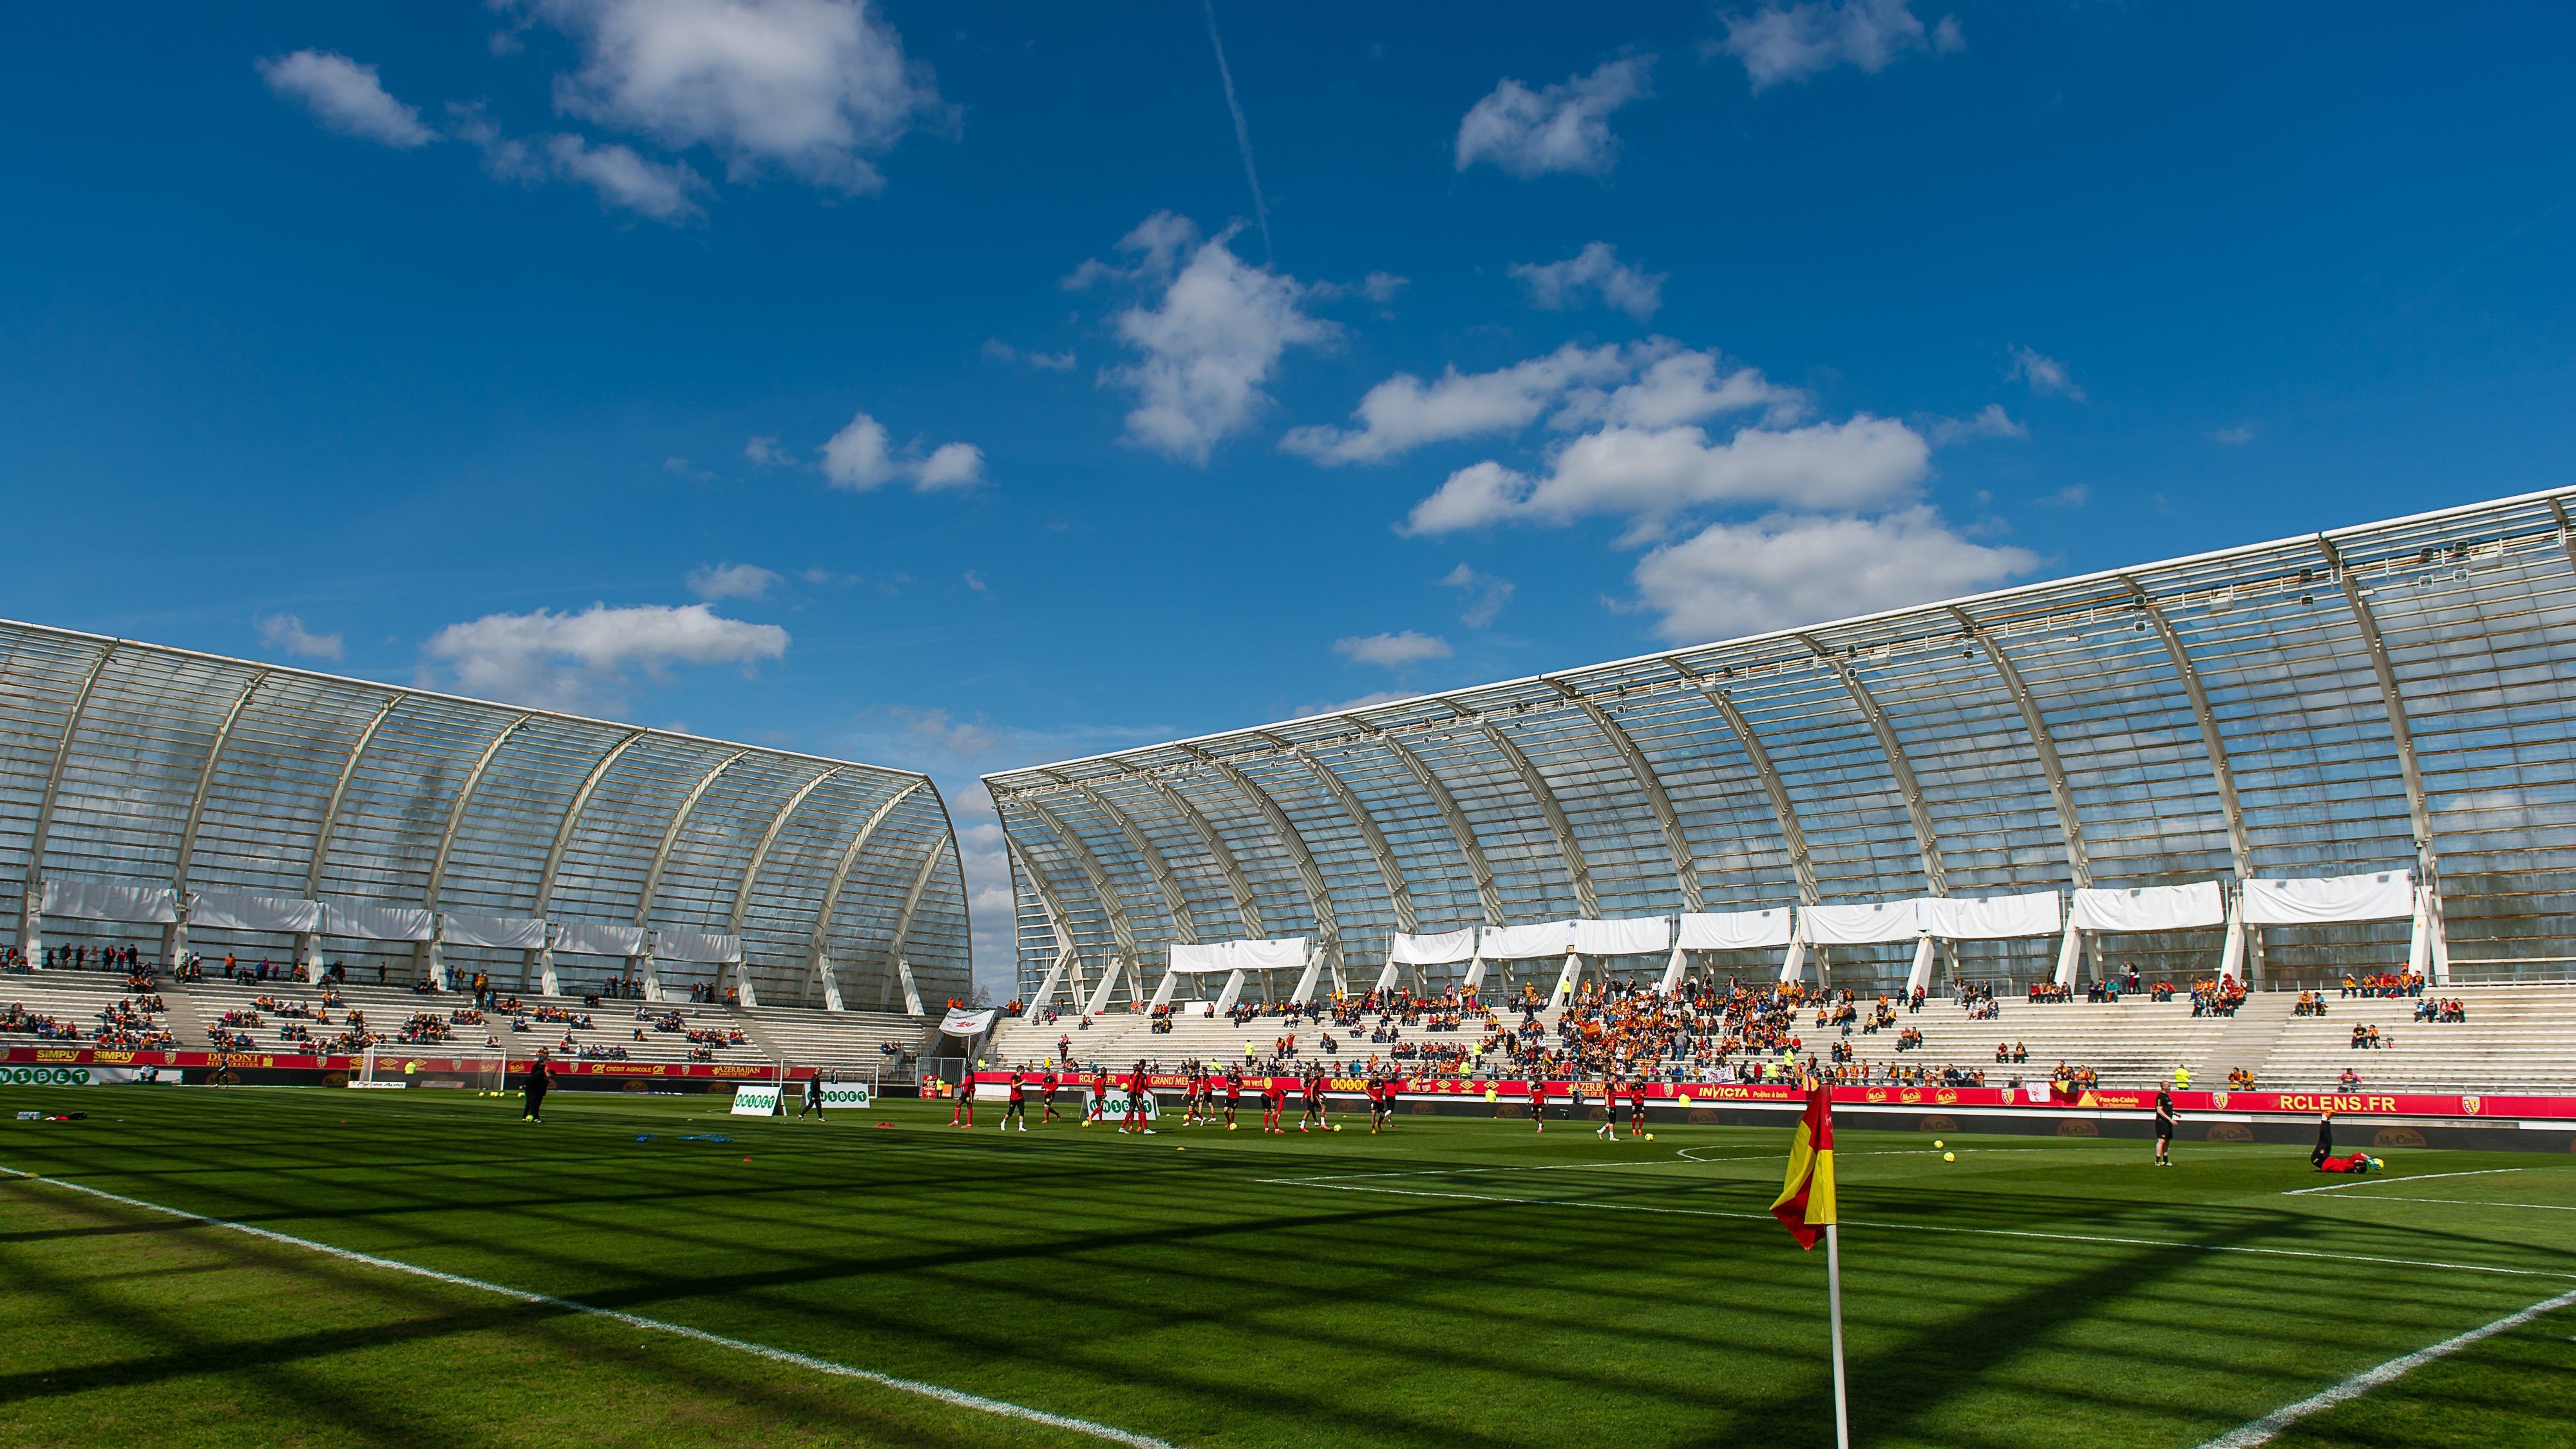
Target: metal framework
{"x": 136, "y": 764}
{"x": 2400, "y": 694}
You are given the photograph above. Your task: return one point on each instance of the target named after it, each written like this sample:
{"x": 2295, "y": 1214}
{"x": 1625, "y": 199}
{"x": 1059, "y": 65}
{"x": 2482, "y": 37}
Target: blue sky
{"x": 931, "y": 384}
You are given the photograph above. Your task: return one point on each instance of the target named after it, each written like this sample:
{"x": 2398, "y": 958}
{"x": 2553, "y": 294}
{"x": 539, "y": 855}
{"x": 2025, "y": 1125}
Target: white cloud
{"x": 1403, "y": 412}
{"x": 999, "y": 351}
{"x": 1792, "y": 42}
{"x": 345, "y": 97}
{"x": 1486, "y": 595}
{"x": 1989, "y": 422}
{"x": 584, "y": 660}
{"x": 1596, "y": 271}
{"x": 2236, "y": 436}
{"x": 1649, "y": 473}
{"x": 974, "y": 580}
{"x": 287, "y": 632}
{"x": 1372, "y": 698}
{"x": 2073, "y": 495}
{"x": 766, "y": 453}
{"x": 1392, "y": 651}
{"x": 1382, "y": 287}
{"x": 1209, "y": 344}
{"x": 662, "y": 191}
{"x": 731, "y": 581}
{"x": 2046, "y": 376}
{"x": 810, "y": 88}
{"x": 950, "y": 465}
{"x": 860, "y": 458}
{"x": 1786, "y": 570}
{"x": 1679, "y": 387}
{"x": 1563, "y": 127}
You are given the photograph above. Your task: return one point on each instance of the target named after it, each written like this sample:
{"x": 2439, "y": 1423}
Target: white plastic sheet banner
{"x": 2388, "y": 895}
{"x": 1735, "y": 930}
{"x": 1634, "y": 936}
{"x": 227, "y": 911}
{"x": 1446, "y": 948}
{"x": 2003, "y": 918}
{"x": 1282, "y": 955}
{"x": 1865, "y": 924}
{"x": 598, "y": 938}
{"x": 1527, "y": 943}
{"x": 1199, "y": 956}
{"x": 99, "y": 900}
{"x": 699, "y": 946}
{"x": 509, "y": 933}
{"x": 359, "y": 921}
{"x": 961, "y": 1022}
{"x": 2150, "y": 908}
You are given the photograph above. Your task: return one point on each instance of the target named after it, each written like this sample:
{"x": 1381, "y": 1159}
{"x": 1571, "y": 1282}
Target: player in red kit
{"x": 1136, "y": 1090}
{"x": 1637, "y": 1109}
{"x": 1274, "y": 1099}
{"x": 1233, "y": 1094}
{"x": 1099, "y": 1097}
{"x": 963, "y": 1113}
{"x": 1017, "y": 1109}
{"x": 1050, "y": 1082}
{"x": 1538, "y": 1103}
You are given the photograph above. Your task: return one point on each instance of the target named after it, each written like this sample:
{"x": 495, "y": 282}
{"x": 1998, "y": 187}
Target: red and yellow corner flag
{"x": 1806, "y": 1202}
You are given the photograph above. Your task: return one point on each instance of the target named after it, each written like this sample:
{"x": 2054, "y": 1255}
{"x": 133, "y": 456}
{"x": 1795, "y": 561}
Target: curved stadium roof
{"x": 2396, "y": 695}
{"x": 160, "y": 767}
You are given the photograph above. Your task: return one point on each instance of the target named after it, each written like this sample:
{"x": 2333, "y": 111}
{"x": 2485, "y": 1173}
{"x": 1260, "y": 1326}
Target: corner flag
{"x": 1806, "y": 1201}
{"x": 1806, "y": 1209}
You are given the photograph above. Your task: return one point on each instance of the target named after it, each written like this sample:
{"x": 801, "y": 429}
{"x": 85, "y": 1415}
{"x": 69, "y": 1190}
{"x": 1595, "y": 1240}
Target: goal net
{"x": 482, "y": 1073}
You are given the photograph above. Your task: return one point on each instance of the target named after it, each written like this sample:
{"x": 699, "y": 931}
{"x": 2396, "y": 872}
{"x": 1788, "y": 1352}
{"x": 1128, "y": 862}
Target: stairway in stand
{"x": 2247, "y": 1042}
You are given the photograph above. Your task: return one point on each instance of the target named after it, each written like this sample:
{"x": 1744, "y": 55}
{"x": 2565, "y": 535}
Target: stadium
{"x": 2248, "y": 806}
{"x": 834, "y": 723}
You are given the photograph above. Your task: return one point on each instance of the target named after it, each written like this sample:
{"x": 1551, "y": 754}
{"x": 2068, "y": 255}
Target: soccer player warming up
{"x": 1136, "y": 1089}
{"x": 1381, "y": 1104}
{"x": 540, "y": 1077}
{"x": 1637, "y": 1109}
{"x": 1099, "y": 1097}
{"x": 1538, "y": 1103}
{"x": 1233, "y": 1094}
{"x": 2164, "y": 1127}
{"x": 1313, "y": 1088}
{"x": 1609, "y": 1112}
{"x": 1274, "y": 1100}
{"x": 1050, "y": 1082}
{"x": 1017, "y": 1109}
{"x": 963, "y": 1113}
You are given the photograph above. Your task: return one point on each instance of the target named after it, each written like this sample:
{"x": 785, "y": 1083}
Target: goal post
{"x": 484, "y": 1073}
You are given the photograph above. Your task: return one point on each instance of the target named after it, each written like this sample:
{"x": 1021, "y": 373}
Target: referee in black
{"x": 2164, "y": 1127}
{"x": 539, "y": 1078}
{"x": 813, "y": 1098}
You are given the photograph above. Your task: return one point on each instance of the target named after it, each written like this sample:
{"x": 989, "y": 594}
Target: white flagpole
{"x": 1834, "y": 1309}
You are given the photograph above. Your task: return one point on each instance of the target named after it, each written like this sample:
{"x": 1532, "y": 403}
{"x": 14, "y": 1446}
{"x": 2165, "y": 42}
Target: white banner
{"x": 697, "y": 946}
{"x": 508, "y": 933}
{"x": 596, "y": 938}
{"x": 1735, "y": 930}
{"x": 99, "y": 900}
{"x": 1527, "y": 943}
{"x": 1193, "y": 957}
{"x": 363, "y": 921}
{"x": 1444, "y": 949}
{"x": 1633, "y": 936}
{"x": 961, "y": 1022}
{"x": 751, "y": 1101}
{"x": 2002, "y": 918}
{"x": 2387, "y": 895}
{"x": 1865, "y": 924}
{"x": 2150, "y": 908}
{"x": 1282, "y": 955}
{"x": 225, "y": 911}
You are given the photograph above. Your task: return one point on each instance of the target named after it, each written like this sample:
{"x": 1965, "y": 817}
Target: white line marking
{"x": 2383, "y": 1181}
{"x": 2547, "y": 1207}
{"x": 1925, "y": 1228}
{"x": 954, "y": 1397}
{"x": 2263, "y": 1429}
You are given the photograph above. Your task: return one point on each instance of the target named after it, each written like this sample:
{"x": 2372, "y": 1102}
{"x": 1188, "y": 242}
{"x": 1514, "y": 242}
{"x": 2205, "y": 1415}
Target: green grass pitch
{"x": 1460, "y": 1282}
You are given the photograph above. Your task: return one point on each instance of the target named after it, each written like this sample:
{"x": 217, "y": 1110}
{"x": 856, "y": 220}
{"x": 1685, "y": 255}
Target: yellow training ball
{"x": 1650, "y": 1136}
{"x": 1337, "y": 1126}
{"x": 1936, "y": 1141}
{"x": 1949, "y": 1157}
{"x": 1229, "y": 1126}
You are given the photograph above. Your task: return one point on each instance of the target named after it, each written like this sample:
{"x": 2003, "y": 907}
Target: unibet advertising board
{"x": 85, "y": 1076}
{"x": 762, "y": 1101}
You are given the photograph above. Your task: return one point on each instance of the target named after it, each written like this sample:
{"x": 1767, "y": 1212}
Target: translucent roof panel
{"x": 133, "y": 764}
{"x": 2393, "y": 696}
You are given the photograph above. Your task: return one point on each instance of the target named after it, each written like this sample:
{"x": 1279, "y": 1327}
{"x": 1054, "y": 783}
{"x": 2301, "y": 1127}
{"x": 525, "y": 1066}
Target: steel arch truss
{"x": 2397, "y": 694}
